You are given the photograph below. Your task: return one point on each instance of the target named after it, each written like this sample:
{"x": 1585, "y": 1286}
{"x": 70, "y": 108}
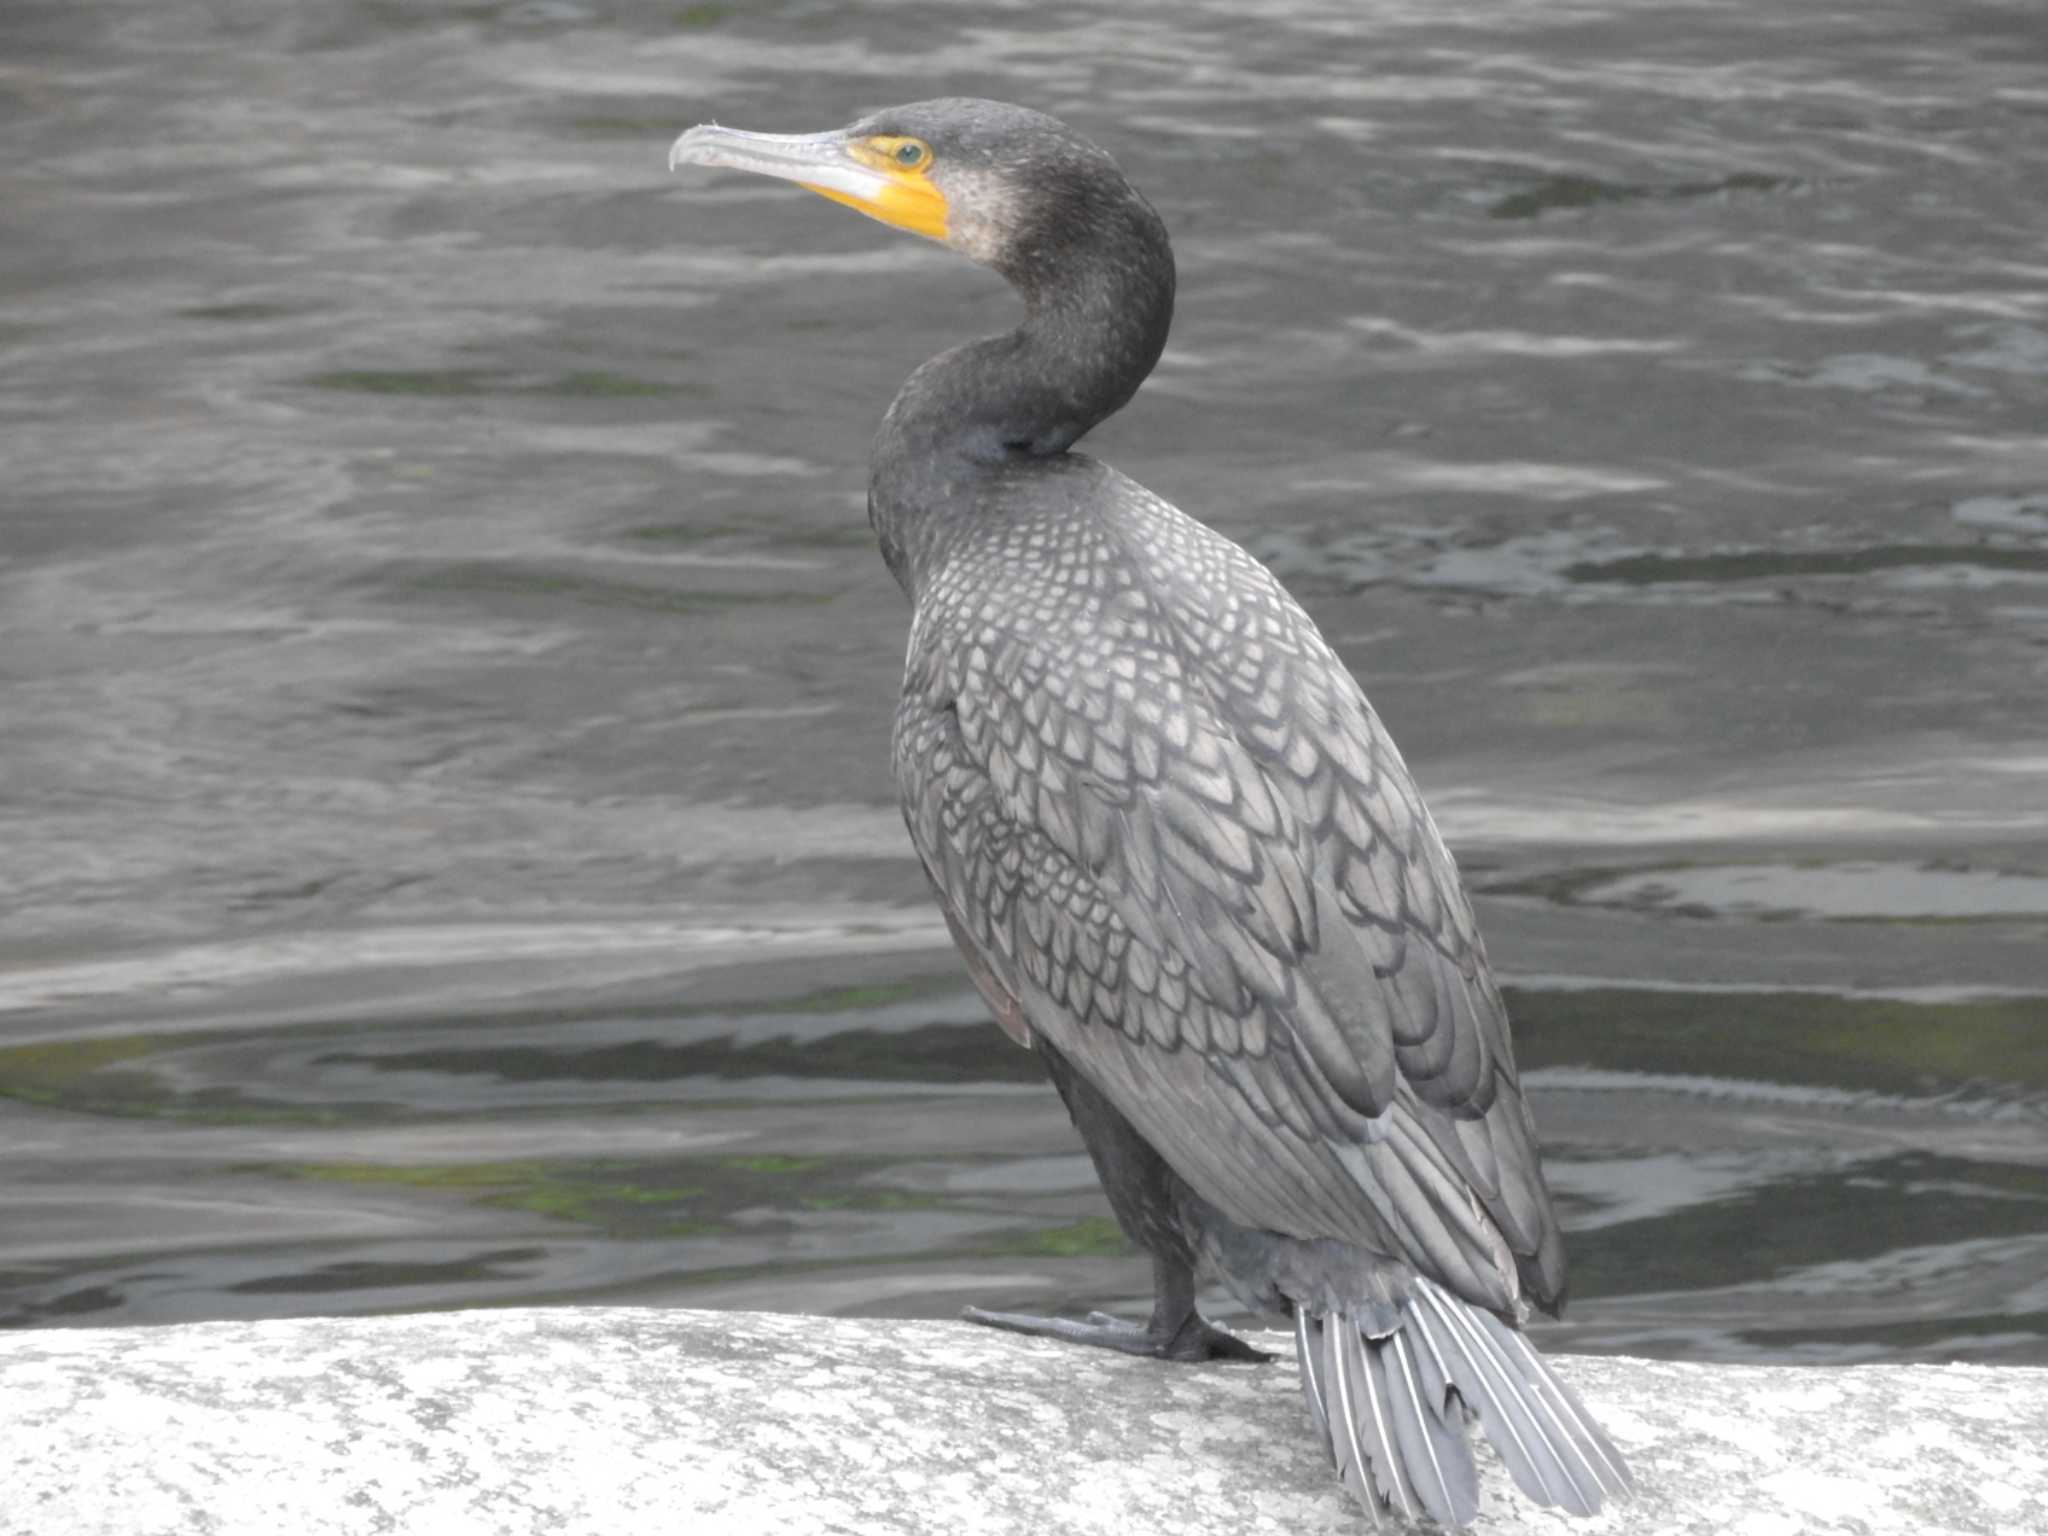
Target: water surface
{"x": 444, "y": 676}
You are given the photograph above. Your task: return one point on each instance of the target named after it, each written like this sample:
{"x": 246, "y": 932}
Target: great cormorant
{"x": 1181, "y": 855}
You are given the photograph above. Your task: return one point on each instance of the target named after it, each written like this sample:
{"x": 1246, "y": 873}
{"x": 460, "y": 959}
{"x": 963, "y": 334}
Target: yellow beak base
{"x": 902, "y": 202}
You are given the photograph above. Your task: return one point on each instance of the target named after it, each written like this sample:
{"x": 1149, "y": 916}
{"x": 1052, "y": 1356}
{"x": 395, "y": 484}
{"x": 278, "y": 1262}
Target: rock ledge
{"x": 623, "y": 1421}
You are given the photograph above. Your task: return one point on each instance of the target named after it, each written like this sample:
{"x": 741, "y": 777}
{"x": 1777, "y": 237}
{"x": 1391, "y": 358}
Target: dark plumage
{"x": 1182, "y": 856}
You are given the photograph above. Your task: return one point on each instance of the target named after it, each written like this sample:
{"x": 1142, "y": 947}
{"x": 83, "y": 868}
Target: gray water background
{"x": 447, "y": 853}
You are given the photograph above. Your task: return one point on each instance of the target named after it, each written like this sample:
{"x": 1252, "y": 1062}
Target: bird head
{"x": 1001, "y": 184}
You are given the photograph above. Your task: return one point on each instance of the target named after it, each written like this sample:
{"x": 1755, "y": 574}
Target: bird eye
{"x": 911, "y": 154}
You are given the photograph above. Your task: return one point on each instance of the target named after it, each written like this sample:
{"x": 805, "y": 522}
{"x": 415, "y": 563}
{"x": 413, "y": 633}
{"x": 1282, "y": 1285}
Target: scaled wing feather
{"x": 1190, "y": 854}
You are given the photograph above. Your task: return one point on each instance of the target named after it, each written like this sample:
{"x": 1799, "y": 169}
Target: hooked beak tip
{"x": 679, "y": 152}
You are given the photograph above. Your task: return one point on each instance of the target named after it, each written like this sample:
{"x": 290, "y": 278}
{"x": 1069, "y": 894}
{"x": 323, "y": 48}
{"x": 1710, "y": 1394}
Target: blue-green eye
{"x": 910, "y": 154}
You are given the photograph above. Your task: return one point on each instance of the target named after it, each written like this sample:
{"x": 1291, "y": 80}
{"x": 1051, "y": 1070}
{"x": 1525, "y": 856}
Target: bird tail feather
{"x": 1392, "y": 1409}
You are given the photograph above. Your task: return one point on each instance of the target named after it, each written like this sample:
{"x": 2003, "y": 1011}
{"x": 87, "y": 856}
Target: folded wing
{"x": 1172, "y": 837}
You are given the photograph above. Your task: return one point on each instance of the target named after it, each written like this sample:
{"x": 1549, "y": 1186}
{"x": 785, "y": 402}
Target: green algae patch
{"x": 1876, "y": 1045}
{"x": 61, "y": 1073}
{"x": 587, "y": 1194}
{"x": 110, "y": 1075}
{"x": 771, "y": 1163}
{"x": 206, "y": 1077}
{"x": 860, "y": 999}
{"x": 592, "y": 385}
{"x": 634, "y": 1199}
{"x": 628, "y": 1200}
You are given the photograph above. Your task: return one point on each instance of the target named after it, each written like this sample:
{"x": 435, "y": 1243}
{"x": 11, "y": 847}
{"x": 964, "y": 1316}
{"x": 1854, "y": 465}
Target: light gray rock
{"x": 702, "y": 1424}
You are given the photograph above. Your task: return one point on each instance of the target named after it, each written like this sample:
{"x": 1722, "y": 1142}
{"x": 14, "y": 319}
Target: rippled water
{"x": 444, "y": 677}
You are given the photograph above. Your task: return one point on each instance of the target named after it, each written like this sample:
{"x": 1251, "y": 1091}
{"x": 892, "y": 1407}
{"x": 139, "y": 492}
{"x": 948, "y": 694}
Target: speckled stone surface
{"x": 693, "y": 1423}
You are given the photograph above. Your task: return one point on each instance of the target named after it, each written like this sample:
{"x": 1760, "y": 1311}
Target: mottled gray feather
{"x": 1391, "y": 1408}
{"x": 1552, "y": 1448}
{"x": 1159, "y": 807}
{"x": 1437, "y": 1454}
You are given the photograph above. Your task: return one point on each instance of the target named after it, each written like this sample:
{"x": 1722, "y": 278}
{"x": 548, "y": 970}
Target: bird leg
{"x": 1176, "y": 1331}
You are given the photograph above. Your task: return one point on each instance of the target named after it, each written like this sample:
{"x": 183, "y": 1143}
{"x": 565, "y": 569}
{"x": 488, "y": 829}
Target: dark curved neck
{"x": 1097, "y": 311}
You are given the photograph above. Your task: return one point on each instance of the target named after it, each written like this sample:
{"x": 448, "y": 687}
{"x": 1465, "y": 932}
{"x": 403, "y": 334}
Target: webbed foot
{"x": 1195, "y": 1339}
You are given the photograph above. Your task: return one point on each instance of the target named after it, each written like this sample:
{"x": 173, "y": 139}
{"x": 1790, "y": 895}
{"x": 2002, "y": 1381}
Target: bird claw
{"x": 1195, "y": 1339}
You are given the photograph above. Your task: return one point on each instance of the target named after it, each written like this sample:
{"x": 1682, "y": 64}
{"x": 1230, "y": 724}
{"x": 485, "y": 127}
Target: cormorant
{"x": 1181, "y": 855}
